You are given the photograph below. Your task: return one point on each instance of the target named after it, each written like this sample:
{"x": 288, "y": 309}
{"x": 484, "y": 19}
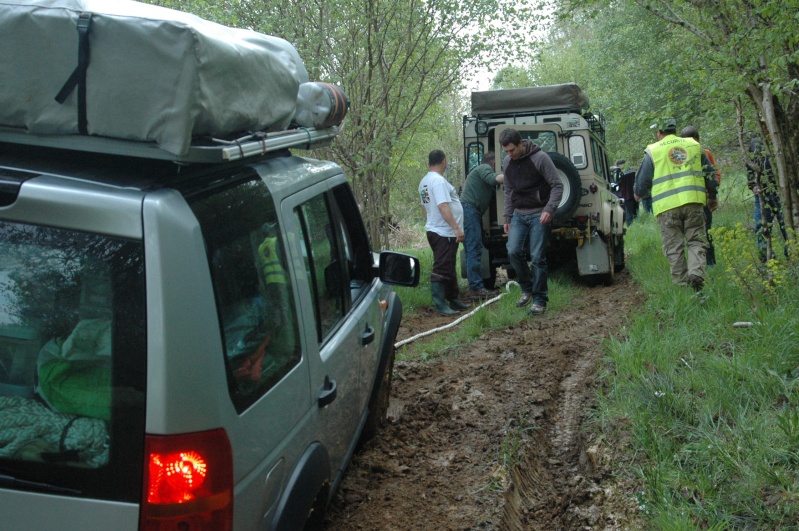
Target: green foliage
{"x": 764, "y": 284}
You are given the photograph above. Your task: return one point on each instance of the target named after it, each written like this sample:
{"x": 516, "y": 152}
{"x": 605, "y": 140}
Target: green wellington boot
{"x": 437, "y": 288}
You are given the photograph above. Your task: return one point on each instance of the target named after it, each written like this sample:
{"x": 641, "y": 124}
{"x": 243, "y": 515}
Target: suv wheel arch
{"x": 309, "y": 483}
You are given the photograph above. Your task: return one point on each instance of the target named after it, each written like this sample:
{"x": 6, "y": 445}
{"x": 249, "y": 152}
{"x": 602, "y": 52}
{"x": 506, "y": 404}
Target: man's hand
{"x": 712, "y": 204}
{"x": 506, "y": 226}
{"x": 545, "y": 218}
{"x": 459, "y": 236}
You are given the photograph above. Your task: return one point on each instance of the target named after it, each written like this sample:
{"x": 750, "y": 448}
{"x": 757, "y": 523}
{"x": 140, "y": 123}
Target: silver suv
{"x": 189, "y": 338}
{"x": 185, "y": 345}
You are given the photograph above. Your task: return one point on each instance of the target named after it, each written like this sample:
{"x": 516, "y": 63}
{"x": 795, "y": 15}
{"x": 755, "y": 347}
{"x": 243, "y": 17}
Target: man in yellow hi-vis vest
{"x": 681, "y": 180}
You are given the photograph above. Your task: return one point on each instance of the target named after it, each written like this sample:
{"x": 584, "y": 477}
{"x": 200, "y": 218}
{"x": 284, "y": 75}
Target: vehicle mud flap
{"x": 592, "y": 257}
{"x": 572, "y": 187}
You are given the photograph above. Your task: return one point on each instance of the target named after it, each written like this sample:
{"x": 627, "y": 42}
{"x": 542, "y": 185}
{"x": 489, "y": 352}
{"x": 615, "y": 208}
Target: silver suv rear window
{"x": 72, "y": 360}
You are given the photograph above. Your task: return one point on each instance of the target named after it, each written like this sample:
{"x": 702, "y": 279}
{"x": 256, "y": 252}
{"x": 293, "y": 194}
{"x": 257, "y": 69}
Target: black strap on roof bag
{"x": 78, "y": 77}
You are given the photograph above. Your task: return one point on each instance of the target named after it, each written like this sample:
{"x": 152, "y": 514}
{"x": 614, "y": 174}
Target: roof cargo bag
{"x": 565, "y": 97}
{"x": 127, "y": 70}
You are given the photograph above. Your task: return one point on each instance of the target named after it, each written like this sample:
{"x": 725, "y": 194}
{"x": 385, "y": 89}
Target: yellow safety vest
{"x": 273, "y": 271}
{"x": 678, "y": 179}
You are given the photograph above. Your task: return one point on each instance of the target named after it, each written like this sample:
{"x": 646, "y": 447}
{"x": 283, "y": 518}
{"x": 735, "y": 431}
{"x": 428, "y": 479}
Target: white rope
{"x": 459, "y": 319}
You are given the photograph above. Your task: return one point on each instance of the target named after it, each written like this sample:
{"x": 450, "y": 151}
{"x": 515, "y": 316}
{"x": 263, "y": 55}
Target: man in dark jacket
{"x": 532, "y": 193}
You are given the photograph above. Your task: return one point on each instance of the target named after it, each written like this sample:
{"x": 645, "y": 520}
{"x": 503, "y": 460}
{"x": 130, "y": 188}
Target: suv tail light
{"x": 188, "y": 482}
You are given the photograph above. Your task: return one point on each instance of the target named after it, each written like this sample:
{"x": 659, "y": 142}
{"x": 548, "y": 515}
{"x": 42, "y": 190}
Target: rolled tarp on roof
{"x": 154, "y": 74}
{"x": 546, "y": 98}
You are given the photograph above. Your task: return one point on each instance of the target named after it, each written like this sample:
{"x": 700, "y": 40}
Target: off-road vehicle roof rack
{"x": 211, "y": 150}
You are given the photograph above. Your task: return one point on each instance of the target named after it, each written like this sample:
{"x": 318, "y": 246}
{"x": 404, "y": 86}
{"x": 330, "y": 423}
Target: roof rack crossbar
{"x": 251, "y": 145}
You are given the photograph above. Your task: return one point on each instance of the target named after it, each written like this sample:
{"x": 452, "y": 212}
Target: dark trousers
{"x": 630, "y": 210}
{"x": 445, "y": 253}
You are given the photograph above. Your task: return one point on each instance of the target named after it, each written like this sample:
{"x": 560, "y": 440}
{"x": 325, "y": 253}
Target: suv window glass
{"x": 324, "y": 263}
{"x": 577, "y": 152}
{"x": 475, "y": 156}
{"x": 599, "y": 159}
{"x": 546, "y": 140}
{"x": 72, "y": 360}
{"x": 253, "y": 292}
{"x": 355, "y": 242}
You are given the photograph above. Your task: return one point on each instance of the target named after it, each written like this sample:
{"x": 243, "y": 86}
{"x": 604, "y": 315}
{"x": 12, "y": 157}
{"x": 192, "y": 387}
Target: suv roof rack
{"x": 212, "y": 150}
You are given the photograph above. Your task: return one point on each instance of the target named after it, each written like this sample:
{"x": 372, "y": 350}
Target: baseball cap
{"x": 665, "y": 124}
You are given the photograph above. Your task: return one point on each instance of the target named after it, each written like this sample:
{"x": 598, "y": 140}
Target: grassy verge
{"x": 711, "y": 410}
{"x": 497, "y": 315}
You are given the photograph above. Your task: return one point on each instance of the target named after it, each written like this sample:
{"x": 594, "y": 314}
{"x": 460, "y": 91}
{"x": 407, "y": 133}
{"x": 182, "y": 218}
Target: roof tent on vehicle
{"x": 105, "y": 71}
{"x": 564, "y": 97}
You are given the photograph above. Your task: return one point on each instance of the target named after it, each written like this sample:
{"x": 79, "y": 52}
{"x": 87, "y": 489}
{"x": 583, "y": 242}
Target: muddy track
{"x": 520, "y": 395}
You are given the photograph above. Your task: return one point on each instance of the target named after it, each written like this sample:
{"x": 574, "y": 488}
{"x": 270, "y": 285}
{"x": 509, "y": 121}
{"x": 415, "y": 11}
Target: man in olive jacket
{"x": 532, "y": 193}
{"x": 476, "y": 197}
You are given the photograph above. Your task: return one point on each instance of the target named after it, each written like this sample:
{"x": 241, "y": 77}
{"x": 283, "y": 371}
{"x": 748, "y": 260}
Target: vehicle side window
{"x": 355, "y": 241}
{"x": 475, "y": 156}
{"x": 599, "y": 159}
{"x": 577, "y": 152}
{"x": 337, "y": 255}
{"x": 253, "y": 291}
{"x": 323, "y": 263}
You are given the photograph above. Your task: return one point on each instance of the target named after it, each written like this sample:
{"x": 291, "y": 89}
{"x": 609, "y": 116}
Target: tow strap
{"x": 78, "y": 77}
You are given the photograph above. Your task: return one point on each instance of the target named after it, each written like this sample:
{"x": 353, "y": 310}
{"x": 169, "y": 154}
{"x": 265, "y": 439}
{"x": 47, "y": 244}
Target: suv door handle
{"x": 367, "y": 336}
{"x": 328, "y": 392}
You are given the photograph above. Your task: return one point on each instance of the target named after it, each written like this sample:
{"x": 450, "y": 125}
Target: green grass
{"x": 497, "y": 315}
{"x": 712, "y": 411}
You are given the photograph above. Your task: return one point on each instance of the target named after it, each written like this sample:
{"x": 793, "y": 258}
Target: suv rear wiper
{"x": 11, "y": 481}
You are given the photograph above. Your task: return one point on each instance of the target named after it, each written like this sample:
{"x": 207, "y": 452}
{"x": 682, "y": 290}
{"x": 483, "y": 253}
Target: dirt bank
{"x": 520, "y": 395}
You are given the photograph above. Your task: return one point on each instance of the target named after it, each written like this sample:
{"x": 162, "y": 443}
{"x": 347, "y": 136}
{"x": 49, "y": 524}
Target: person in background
{"x": 679, "y": 177}
{"x": 477, "y": 194}
{"x": 626, "y": 183}
{"x": 689, "y": 131}
{"x": 443, "y": 215}
{"x": 763, "y": 184}
{"x": 533, "y": 190}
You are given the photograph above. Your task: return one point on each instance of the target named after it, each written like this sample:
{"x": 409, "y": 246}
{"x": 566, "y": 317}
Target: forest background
{"x": 729, "y": 67}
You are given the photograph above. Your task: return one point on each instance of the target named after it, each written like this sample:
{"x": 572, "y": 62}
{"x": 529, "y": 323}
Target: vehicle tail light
{"x": 188, "y": 482}
{"x": 582, "y": 220}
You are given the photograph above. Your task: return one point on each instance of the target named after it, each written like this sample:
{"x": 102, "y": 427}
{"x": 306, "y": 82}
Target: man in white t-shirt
{"x": 443, "y": 223}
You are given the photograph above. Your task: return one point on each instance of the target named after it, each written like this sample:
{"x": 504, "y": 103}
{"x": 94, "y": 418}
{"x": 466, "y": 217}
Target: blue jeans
{"x": 527, "y": 233}
{"x": 473, "y": 245}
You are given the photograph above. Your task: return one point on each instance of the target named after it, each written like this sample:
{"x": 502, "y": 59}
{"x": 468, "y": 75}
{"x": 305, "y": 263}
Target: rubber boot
{"x": 439, "y": 299}
{"x": 457, "y": 304}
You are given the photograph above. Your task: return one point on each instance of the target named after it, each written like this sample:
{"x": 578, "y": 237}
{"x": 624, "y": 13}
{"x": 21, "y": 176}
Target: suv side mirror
{"x": 399, "y": 269}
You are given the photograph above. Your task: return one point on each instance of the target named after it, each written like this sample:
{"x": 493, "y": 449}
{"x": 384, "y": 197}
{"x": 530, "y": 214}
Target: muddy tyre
{"x": 572, "y": 187}
{"x": 377, "y": 411}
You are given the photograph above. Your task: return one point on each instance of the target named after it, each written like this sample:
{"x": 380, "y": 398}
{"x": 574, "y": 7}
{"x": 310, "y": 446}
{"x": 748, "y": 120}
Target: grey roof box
{"x": 567, "y": 97}
{"x": 154, "y": 74}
